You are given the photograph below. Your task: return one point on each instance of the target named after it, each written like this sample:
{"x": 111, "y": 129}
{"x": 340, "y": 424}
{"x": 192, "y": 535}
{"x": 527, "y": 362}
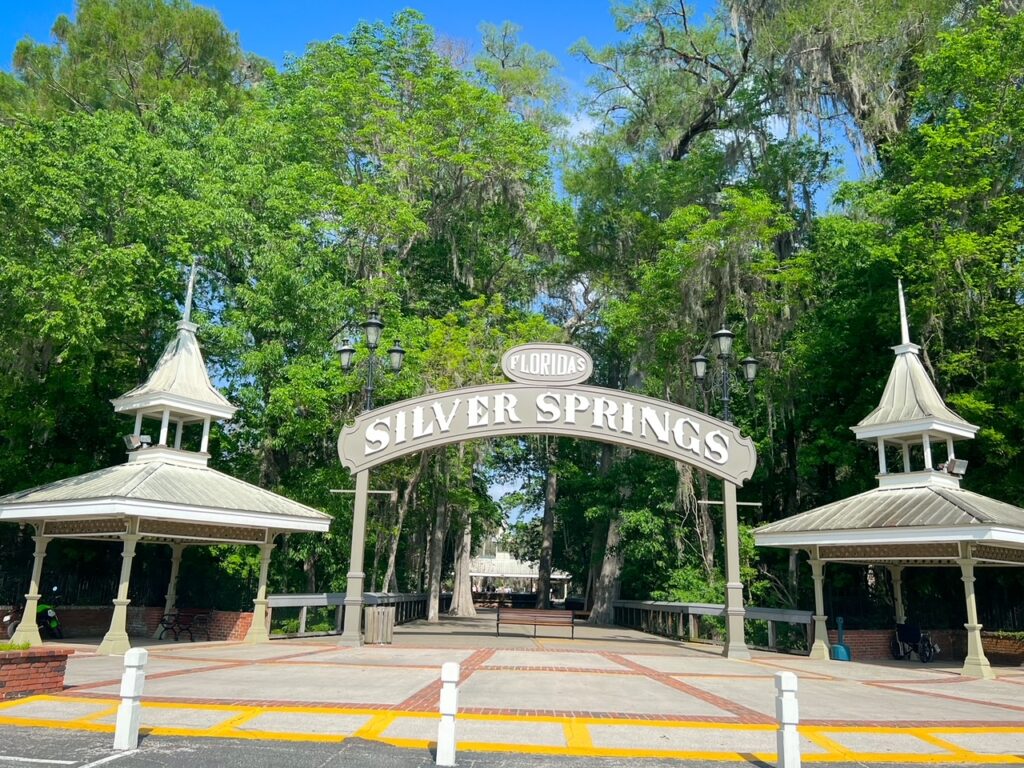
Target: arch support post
{"x": 976, "y": 664}
{"x": 116, "y": 642}
{"x": 351, "y": 635}
{"x": 735, "y": 643}
{"x": 27, "y": 631}
{"x": 820, "y": 647}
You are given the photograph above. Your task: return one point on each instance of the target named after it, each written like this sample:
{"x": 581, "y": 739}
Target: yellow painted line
{"x": 949, "y": 746}
{"x": 227, "y": 727}
{"x": 830, "y": 747}
{"x": 577, "y": 735}
{"x": 111, "y": 710}
{"x": 375, "y": 726}
{"x": 38, "y": 722}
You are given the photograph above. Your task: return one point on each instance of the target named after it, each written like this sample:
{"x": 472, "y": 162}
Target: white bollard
{"x": 129, "y": 713}
{"x": 788, "y": 715}
{"x": 449, "y": 706}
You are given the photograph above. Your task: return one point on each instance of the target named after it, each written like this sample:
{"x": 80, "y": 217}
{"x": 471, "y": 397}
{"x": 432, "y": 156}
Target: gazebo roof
{"x": 912, "y": 516}
{"x": 910, "y": 404}
{"x": 190, "y": 500}
{"x": 178, "y": 382}
{"x": 922, "y": 511}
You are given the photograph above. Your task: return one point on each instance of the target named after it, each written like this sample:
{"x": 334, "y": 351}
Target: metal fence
{"x": 324, "y": 612}
{"x": 772, "y": 628}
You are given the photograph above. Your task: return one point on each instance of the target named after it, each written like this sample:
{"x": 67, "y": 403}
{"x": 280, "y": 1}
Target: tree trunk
{"x": 597, "y": 535}
{"x": 404, "y": 501}
{"x": 437, "y": 548}
{"x": 309, "y": 567}
{"x": 706, "y": 528}
{"x": 606, "y": 589}
{"x": 548, "y": 526}
{"x": 462, "y": 590}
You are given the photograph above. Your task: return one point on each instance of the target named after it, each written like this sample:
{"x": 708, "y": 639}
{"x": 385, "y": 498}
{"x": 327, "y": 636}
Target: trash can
{"x": 840, "y": 650}
{"x": 378, "y": 624}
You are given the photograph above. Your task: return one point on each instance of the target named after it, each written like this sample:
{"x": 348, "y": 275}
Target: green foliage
{"x": 127, "y": 55}
{"x": 14, "y": 647}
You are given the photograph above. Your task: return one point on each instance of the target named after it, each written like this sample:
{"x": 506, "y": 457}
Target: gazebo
{"x": 162, "y": 494}
{"x": 919, "y": 516}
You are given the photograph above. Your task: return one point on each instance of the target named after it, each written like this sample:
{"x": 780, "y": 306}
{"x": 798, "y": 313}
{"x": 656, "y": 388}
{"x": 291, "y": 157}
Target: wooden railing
{"x": 408, "y": 607}
{"x": 683, "y": 620}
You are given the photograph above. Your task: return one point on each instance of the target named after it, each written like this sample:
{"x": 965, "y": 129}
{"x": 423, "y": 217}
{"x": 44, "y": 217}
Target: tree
{"x": 127, "y": 55}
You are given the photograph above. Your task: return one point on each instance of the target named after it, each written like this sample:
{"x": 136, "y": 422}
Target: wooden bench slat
{"x": 536, "y": 617}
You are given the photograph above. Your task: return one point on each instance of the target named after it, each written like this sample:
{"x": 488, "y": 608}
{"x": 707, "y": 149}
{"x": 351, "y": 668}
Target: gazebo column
{"x": 881, "y": 456}
{"x": 352, "y": 635}
{"x": 976, "y": 664}
{"x": 116, "y": 642}
{"x": 206, "y": 436}
{"x": 165, "y": 421}
{"x": 27, "y": 631}
{"x": 735, "y": 643}
{"x": 179, "y": 428}
{"x": 897, "y": 592}
{"x": 172, "y": 583}
{"x": 259, "y": 632}
{"x": 820, "y": 647}
{"x": 926, "y": 445}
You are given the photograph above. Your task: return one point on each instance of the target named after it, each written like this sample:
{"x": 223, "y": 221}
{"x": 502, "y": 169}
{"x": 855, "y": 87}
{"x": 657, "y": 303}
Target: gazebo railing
{"x": 682, "y": 621}
{"x": 408, "y": 606}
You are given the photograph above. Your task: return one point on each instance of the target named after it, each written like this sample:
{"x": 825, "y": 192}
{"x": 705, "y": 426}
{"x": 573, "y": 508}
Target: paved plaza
{"x": 610, "y": 693}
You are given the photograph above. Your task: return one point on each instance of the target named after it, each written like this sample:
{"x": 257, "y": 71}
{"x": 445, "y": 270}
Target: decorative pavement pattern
{"x": 614, "y": 693}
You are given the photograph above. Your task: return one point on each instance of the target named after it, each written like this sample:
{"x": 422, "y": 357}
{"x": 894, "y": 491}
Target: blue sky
{"x": 275, "y": 29}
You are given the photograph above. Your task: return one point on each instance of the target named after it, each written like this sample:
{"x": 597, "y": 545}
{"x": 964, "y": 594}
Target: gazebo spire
{"x": 178, "y": 389}
{"x": 904, "y": 326}
{"x": 911, "y": 413}
{"x": 186, "y": 314}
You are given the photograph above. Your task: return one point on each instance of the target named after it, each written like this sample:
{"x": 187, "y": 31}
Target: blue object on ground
{"x": 840, "y": 651}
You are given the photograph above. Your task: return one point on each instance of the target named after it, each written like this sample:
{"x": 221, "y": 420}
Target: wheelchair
{"x": 910, "y": 639}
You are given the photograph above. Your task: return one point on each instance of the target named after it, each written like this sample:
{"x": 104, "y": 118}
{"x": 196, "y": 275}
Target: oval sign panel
{"x": 547, "y": 364}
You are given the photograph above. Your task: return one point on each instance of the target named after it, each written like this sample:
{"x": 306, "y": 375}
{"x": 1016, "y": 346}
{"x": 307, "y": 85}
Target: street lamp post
{"x": 721, "y": 342}
{"x": 372, "y": 327}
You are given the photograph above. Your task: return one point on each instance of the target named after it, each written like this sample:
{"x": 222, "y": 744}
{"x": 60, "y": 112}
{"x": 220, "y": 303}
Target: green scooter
{"x": 46, "y": 619}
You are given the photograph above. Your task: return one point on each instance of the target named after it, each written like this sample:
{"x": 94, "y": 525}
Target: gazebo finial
{"x": 904, "y": 328}
{"x": 186, "y": 314}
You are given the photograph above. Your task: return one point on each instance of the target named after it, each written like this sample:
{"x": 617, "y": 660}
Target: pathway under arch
{"x": 546, "y": 398}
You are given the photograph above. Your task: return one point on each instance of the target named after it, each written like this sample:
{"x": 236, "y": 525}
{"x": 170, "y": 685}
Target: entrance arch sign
{"x": 591, "y": 413}
{"x": 546, "y": 396}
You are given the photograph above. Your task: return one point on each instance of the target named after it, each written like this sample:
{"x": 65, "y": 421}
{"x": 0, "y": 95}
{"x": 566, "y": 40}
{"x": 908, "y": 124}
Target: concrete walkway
{"x": 609, "y": 692}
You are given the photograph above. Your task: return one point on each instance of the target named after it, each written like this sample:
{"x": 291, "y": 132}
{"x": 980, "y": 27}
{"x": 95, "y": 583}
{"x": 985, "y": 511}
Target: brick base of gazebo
{"x": 873, "y": 644}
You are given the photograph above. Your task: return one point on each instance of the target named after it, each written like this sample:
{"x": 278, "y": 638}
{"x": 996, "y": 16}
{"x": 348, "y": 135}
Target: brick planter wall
{"x": 94, "y": 621}
{"x": 31, "y": 672}
{"x": 229, "y": 625}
